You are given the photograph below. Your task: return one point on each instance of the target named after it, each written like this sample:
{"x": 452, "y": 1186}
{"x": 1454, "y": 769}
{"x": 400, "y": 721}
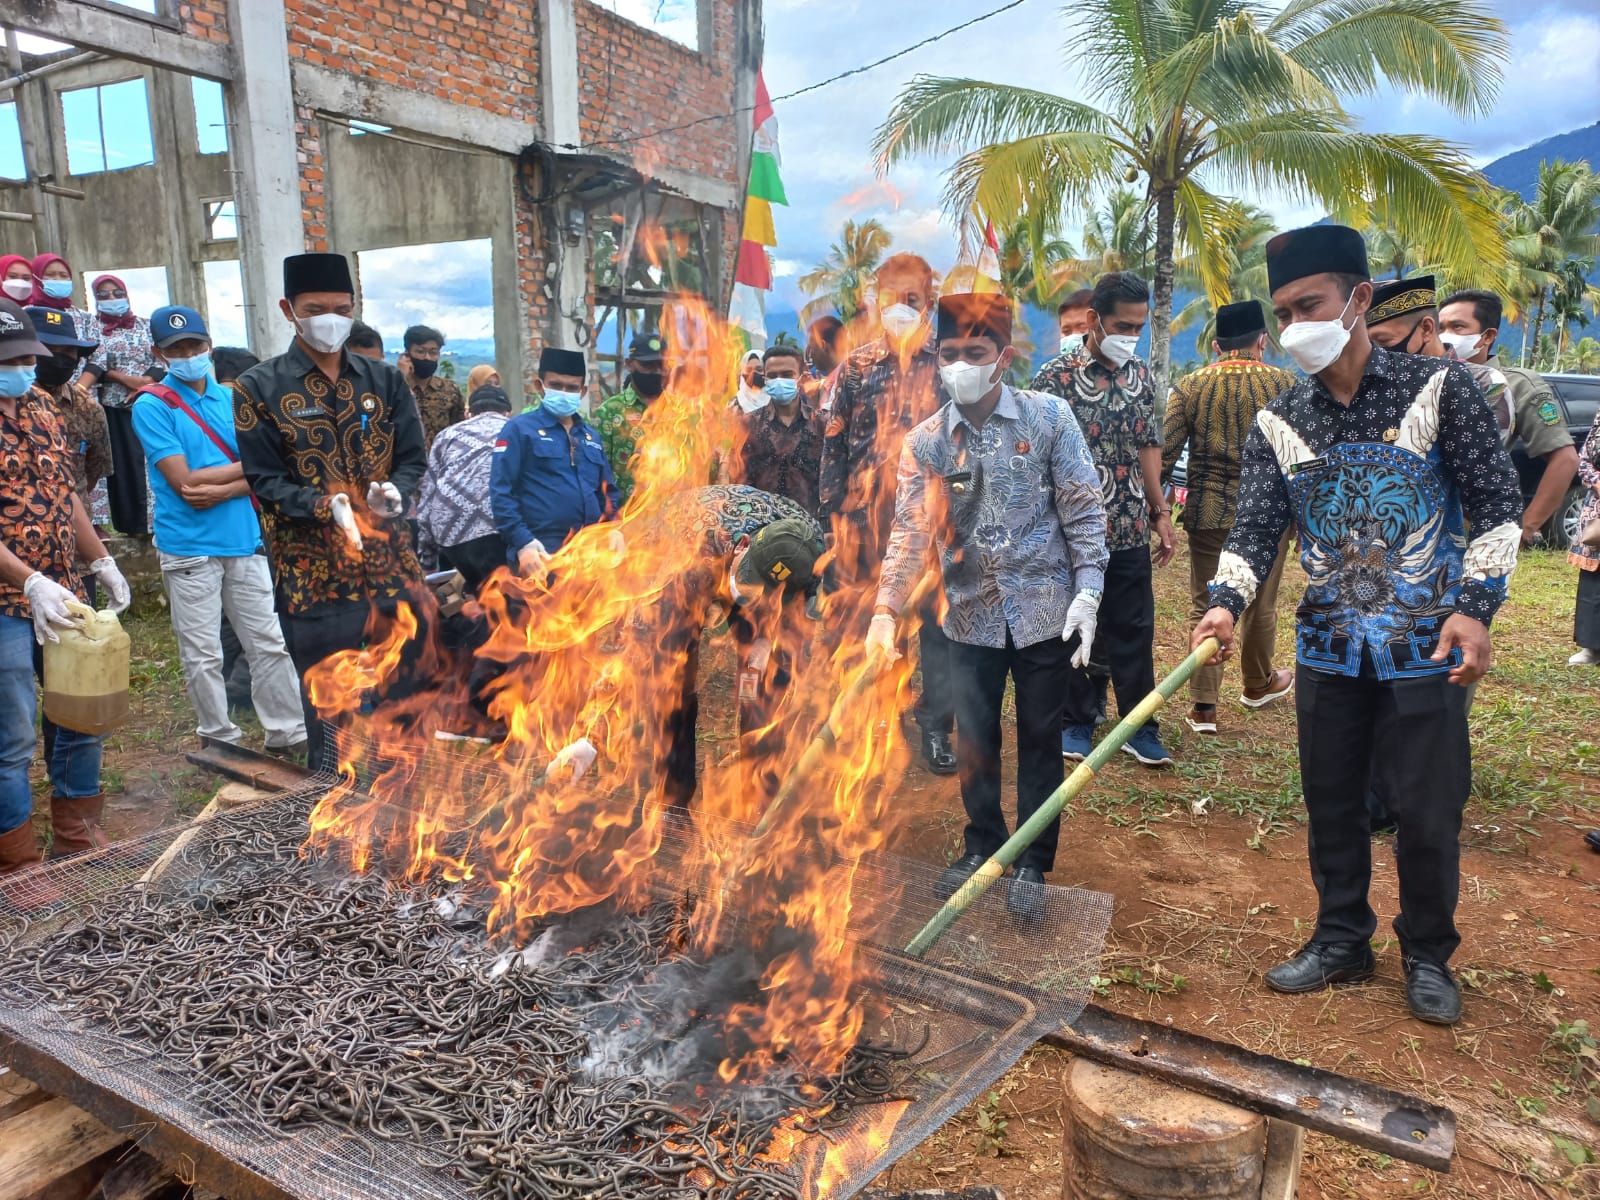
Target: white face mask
{"x": 899, "y": 320}
{"x": 1314, "y": 345}
{"x": 1071, "y": 343}
{"x": 18, "y": 289}
{"x": 1118, "y": 348}
{"x": 325, "y": 333}
{"x": 1463, "y": 345}
{"x": 967, "y": 383}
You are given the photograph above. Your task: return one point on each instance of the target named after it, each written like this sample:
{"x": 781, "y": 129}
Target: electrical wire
{"x": 811, "y": 87}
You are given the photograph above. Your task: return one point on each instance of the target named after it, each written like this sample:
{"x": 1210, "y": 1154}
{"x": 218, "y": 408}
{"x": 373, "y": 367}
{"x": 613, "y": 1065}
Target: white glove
{"x": 1082, "y": 615}
{"x": 880, "y": 635}
{"x": 579, "y": 755}
{"x": 616, "y": 543}
{"x": 345, "y": 519}
{"x": 533, "y": 558}
{"x": 51, "y": 607}
{"x": 760, "y": 652}
{"x": 384, "y": 499}
{"x": 105, "y": 571}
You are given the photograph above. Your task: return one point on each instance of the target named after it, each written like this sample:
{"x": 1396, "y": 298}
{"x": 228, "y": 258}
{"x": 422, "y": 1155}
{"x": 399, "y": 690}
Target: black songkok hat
{"x": 976, "y": 314}
{"x": 1396, "y": 297}
{"x": 1315, "y": 250}
{"x": 316, "y": 273}
{"x": 1240, "y": 320}
{"x": 489, "y": 398}
{"x": 562, "y": 362}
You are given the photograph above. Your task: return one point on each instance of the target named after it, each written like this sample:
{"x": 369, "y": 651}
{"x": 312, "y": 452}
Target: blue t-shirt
{"x": 227, "y": 529}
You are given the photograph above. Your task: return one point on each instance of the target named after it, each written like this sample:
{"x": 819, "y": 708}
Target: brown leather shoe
{"x": 18, "y": 848}
{"x": 75, "y": 824}
{"x": 20, "y": 888}
{"x": 1279, "y": 685}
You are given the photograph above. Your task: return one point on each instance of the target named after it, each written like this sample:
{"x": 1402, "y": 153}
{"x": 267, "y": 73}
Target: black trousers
{"x": 1586, "y": 621}
{"x": 936, "y": 705}
{"x": 476, "y": 560}
{"x": 125, "y": 489}
{"x": 1409, "y": 738}
{"x": 310, "y": 638}
{"x": 1039, "y": 674}
{"x": 1124, "y": 640}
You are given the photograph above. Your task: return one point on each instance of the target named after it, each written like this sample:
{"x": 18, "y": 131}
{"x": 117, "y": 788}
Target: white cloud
{"x": 446, "y": 284}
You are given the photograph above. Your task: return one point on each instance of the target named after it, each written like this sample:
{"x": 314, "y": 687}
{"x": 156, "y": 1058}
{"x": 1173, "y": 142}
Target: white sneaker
{"x": 1585, "y": 658}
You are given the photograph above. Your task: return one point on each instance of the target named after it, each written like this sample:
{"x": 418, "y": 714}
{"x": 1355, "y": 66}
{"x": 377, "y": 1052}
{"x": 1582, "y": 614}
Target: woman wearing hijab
{"x": 482, "y": 375}
{"x": 122, "y": 365}
{"x": 16, "y": 277}
{"x": 52, "y": 287}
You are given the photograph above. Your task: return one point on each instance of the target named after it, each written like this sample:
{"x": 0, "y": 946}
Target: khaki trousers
{"x": 1257, "y": 629}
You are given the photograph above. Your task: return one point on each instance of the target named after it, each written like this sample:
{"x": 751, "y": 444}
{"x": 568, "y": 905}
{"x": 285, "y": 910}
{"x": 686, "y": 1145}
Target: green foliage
{"x": 992, "y": 1126}
{"x": 840, "y": 281}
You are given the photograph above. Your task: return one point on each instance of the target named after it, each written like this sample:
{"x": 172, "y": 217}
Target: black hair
{"x": 364, "y": 337}
{"x": 784, "y": 350}
{"x": 1487, "y": 308}
{"x": 418, "y": 334}
{"x": 1078, "y": 299}
{"x": 1243, "y": 341}
{"x": 825, "y": 330}
{"x": 230, "y": 362}
{"x": 1347, "y": 282}
{"x": 1118, "y": 287}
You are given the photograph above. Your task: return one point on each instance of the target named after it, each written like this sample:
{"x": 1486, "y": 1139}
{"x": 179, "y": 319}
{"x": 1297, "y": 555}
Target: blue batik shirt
{"x": 1406, "y": 505}
{"x": 1015, "y": 512}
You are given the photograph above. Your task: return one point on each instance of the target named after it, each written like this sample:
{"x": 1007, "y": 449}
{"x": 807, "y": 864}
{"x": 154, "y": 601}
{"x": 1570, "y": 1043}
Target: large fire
{"x": 597, "y": 651}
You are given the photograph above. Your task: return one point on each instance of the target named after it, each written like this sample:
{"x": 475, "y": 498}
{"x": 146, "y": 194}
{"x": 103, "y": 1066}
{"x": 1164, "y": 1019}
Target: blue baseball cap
{"x": 174, "y": 323}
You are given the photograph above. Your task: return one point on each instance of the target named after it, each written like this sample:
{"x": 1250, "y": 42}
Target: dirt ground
{"x": 1207, "y": 866}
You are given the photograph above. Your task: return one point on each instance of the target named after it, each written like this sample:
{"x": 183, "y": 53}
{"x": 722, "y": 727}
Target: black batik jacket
{"x": 303, "y": 439}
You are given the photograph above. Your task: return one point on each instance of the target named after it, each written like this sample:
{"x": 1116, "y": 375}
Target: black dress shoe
{"x": 1025, "y": 896}
{"x": 1592, "y": 840}
{"x": 1320, "y": 964}
{"x": 1432, "y": 992}
{"x": 957, "y": 873}
{"x": 938, "y": 753}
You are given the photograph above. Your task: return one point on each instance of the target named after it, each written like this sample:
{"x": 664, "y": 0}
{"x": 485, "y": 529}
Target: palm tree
{"x": 1585, "y": 357}
{"x": 1247, "y": 278}
{"x": 1197, "y": 95}
{"x": 1561, "y": 222}
{"x": 1570, "y": 298}
{"x": 1392, "y": 254}
{"x": 840, "y": 281}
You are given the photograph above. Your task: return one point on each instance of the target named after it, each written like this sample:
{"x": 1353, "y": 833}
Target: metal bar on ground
{"x": 248, "y": 766}
{"x": 1074, "y": 783}
{"x": 1353, "y": 1110}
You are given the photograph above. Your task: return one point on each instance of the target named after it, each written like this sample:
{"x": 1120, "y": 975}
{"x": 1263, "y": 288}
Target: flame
{"x": 598, "y": 650}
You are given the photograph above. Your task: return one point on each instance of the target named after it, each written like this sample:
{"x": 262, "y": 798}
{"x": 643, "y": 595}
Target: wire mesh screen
{"x": 347, "y": 1033}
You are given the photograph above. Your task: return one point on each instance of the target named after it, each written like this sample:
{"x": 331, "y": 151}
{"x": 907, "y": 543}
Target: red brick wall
{"x": 634, "y": 81}
{"x": 313, "y": 190}
{"x": 484, "y": 53}
{"x": 207, "y": 19}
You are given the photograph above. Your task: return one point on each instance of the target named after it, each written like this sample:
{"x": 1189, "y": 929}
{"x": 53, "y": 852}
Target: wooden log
{"x": 229, "y": 796}
{"x": 40, "y": 1147}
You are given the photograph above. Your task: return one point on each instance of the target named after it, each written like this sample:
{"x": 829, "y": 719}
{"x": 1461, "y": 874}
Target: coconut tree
{"x": 840, "y": 280}
{"x": 1394, "y": 254}
{"x": 1560, "y": 222}
{"x": 1194, "y": 97}
{"x": 1572, "y": 297}
{"x": 1584, "y": 357}
{"x": 1247, "y": 278}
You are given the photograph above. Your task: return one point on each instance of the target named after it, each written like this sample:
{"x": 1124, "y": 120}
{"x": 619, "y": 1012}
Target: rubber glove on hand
{"x": 105, "y": 571}
{"x": 1082, "y": 615}
{"x": 578, "y": 755}
{"x": 616, "y": 543}
{"x": 50, "y": 606}
{"x": 880, "y": 636}
{"x": 345, "y": 519}
{"x": 384, "y": 499}
{"x": 533, "y": 558}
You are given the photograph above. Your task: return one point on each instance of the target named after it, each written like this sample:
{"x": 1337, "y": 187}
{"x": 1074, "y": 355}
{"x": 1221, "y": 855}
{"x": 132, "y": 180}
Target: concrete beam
{"x": 265, "y": 163}
{"x": 384, "y": 104}
{"x": 558, "y": 71}
{"x": 126, "y": 35}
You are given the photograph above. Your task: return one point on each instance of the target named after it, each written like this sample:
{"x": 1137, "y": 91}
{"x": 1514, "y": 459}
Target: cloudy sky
{"x": 1549, "y": 87}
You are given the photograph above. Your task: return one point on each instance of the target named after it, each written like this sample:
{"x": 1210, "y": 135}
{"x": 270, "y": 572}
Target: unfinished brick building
{"x": 600, "y": 158}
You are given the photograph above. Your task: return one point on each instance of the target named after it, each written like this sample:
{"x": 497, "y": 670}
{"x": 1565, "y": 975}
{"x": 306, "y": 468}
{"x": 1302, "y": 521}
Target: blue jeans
{"x": 75, "y": 761}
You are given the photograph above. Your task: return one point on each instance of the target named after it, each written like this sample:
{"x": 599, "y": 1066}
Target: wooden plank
{"x": 18, "y": 1094}
{"x": 1285, "y": 1144}
{"x": 40, "y": 1146}
{"x": 136, "y": 1176}
{"x": 189, "y": 1158}
{"x": 229, "y": 796}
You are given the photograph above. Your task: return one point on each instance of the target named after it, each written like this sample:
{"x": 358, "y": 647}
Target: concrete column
{"x": 558, "y": 87}
{"x": 266, "y": 169}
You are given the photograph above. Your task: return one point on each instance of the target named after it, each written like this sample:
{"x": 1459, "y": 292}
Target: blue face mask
{"x": 783, "y": 391}
{"x": 191, "y": 370}
{"x": 561, "y": 404}
{"x": 114, "y": 308}
{"x": 15, "y": 381}
{"x": 58, "y": 289}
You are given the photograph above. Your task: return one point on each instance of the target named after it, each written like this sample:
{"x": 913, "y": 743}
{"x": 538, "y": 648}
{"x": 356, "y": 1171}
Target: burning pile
{"x": 582, "y": 1063}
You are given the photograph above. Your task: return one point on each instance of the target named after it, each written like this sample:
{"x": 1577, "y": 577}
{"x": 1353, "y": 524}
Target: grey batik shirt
{"x": 1014, "y": 510}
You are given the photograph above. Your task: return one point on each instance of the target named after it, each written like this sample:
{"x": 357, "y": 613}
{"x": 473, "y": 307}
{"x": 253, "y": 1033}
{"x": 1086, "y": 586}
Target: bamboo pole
{"x": 985, "y": 876}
